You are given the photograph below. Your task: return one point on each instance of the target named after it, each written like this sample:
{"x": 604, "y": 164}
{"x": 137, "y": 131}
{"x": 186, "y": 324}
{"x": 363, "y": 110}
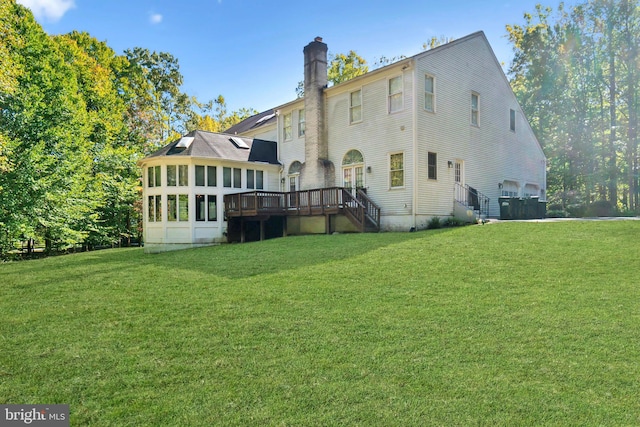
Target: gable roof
{"x": 261, "y": 119}
{"x": 269, "y": 116}
{"x": 203, "y": 144}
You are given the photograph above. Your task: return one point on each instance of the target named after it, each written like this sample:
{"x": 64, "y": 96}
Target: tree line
{"x": 74, "y": 119}
{"x": 576, "y": 74}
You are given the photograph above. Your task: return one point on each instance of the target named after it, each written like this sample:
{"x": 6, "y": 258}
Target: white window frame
{"x": 353, "y": 108}
{"x": 287, "y": 129}
{"x": 431, "y": 95}
{"x": 302, "y": 126}
{"x": 512, "y": 120}
{"x": 393, "y": 95}
{"x": 432, "y": 167}
{"x": 391, "y": 171}
{"x": 475, "y": 109}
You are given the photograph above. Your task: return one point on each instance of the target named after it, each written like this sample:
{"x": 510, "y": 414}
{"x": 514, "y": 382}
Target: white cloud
{"x": 155, "y": 18}
{"x": 51, "y": 10}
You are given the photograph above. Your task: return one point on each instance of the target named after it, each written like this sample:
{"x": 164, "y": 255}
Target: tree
{"x": 575, "y": 75}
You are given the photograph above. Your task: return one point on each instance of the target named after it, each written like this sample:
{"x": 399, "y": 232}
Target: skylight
{"x": 185, "y": 142}
{"x": 265, "y": 118}
{"x": 239, "y": 142}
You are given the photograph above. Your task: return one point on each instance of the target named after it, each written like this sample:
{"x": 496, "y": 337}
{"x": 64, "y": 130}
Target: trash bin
{"x": 505, "y": 207}
{"x": 530, "y": 208}
{"x": 542, "y": 209}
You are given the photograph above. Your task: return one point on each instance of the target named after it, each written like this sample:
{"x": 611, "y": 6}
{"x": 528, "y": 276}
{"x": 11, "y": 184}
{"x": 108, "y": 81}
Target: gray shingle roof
{"x": 219, "y": 146}
{"x": 264, "y": 118}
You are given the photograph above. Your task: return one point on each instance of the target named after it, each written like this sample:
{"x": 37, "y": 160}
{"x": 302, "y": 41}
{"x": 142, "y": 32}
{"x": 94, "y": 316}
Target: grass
{"x": 502, "y": 324}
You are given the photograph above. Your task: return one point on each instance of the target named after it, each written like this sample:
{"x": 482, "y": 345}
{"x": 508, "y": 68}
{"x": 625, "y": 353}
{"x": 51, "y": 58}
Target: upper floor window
{"x": 255, "y": 179}
{"x": 432, "y": 166}
{"x": 178, "y": 175}
{"x": 396, "y": 170}
{"x": 475, "y": 109}
{"x": 206, "y": 174}
{"x": 355, "y": 106}
{"x": 153, "y": 176}
{"x": 286, "y": 127}
{"x": 301, "y": 123}
{"x": 512, "y": 119}
{"x": 395, "y": 94}
{"x": 429, "y": 94}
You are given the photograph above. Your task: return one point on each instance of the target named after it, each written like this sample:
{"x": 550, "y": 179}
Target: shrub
{"x": 434, "y": 223}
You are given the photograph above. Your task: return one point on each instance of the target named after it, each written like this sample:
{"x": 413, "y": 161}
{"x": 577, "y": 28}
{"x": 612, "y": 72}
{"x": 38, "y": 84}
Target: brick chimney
{"x": 317, "y": 170}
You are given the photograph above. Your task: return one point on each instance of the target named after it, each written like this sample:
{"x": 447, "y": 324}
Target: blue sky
{"x": 250, "y": 51}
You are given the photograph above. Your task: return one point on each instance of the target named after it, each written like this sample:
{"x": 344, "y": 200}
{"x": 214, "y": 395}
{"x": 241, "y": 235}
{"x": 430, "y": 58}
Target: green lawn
{"x": 502, "y": 324}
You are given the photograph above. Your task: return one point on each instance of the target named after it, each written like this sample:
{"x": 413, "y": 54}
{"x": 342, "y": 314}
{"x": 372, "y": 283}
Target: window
{"x": 458, "y": 172}
{"x": 153, "y": 176}
{"x": 429, "y": 94}
{"x": 510, "y": 189}
{"x": 286, "y": 127}
{"x": 294, "y": 175}
{"x": 355, "y": 106}
{"x": 183, "y": 207}
{"x": 512, "y": 120}
{"x": 432, "y": 166}
{"x": 212, "y": 208}
{"x": 200, "y": 207}
{"x": 211, "y": 176}
{"x": 260, "y": 180}
{"x": 172, "y": 207}
{"x": 395, "y": 94}
{"x": 200, "y": 176}
{"x": 237, "y": 178}
{"x": 206, "y": 208}
{"x": 171, "y": 175}
{"x": 250, "y": 178}
{"x": 396, "y": 167}
{"x": 474, "y": 109}
{"x": 226, "y": 177}
{"x": 352, "y": 169}
{"x": 178, "y": 207}
{"x": 183, "y": 175}
{"x": 301, "y": 123}
{"x": 155, "y": 209}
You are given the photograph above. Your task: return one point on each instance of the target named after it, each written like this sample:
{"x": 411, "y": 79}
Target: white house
{"x": 437, "y": 134}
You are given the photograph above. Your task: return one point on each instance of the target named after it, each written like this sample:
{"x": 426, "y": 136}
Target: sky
{"x": 250, "y": 51}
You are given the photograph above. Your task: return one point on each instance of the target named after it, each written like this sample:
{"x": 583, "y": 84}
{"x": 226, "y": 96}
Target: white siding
{"x": 491, "y": 151}
{"x": 378, "y": 135}
{"x": 166, "y": 234}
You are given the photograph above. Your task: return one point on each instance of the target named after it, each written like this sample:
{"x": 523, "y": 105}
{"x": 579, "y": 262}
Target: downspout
{"x": 414, "y": 205}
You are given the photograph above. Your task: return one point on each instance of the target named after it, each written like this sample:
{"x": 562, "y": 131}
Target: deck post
{"x": 261, "y": 230}
{"x": 241, "y": 230}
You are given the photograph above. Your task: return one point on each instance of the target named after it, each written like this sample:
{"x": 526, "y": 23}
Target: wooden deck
{"x": 321, "y": 201}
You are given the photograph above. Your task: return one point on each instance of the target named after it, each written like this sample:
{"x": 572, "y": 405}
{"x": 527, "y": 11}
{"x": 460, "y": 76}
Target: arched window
{"x": 352, "y": 157}
{"x": 294, "y": 175}
{"x": 353, "y": 170}
{"x": 295, "y": 167}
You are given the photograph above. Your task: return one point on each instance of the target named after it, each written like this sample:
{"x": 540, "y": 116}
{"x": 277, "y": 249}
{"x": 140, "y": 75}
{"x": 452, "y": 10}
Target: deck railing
{"x": 317, "y": 201}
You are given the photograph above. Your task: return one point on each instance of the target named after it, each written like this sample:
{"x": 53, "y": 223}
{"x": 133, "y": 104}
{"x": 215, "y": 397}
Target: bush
{"x": 434, "y": 223}
{"x": 453, "y": 222}
{"x": 601, "y": 208}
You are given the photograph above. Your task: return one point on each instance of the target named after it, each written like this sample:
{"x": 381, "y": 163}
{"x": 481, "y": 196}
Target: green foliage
{"x": 575, "y": 73}
{"x": 505, "y": 324}
{"x": 346, "y": 67}
{"x": 434, "y": 223}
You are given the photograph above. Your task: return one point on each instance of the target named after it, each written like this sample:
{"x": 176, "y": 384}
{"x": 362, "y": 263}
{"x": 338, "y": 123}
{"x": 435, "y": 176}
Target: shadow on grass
{"x": 227, "y": 261}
